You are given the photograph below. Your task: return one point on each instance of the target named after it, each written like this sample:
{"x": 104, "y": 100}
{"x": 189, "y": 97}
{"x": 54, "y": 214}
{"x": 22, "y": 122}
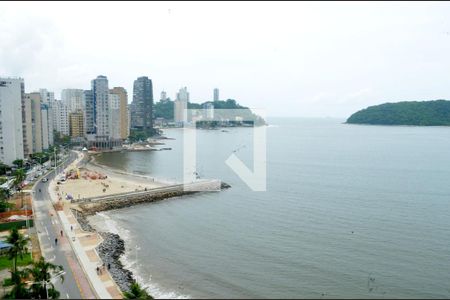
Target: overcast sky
{"x": 291, "y": 59}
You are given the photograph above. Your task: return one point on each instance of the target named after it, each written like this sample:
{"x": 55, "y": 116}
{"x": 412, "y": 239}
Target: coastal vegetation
{"x": 419, "y": 113}
{"x": 33, "y": 280}
{"x": 136, "y": 292}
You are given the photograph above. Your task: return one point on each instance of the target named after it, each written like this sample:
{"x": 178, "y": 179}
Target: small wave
{"x": 128, "y": 260}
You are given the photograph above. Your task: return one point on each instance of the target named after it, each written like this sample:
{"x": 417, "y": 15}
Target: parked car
{"x": 44, "y": 179}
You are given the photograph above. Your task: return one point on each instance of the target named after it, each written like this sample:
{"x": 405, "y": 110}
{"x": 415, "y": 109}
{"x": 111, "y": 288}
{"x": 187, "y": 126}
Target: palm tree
{"x": 42, "y": 273}
{"x": 19, "y": 248}
{"x": 19, "y": 177}
{"x": 136, "y": 292}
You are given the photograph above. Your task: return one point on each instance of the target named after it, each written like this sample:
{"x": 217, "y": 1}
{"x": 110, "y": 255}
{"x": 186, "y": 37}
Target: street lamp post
{"x": 45, "y": 282}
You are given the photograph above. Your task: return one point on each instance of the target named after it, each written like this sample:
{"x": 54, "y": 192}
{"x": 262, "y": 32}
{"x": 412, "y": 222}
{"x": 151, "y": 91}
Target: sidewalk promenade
{"x": 83, "y": 244}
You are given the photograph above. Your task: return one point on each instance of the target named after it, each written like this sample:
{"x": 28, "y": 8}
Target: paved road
{"x": 75, "y": 285}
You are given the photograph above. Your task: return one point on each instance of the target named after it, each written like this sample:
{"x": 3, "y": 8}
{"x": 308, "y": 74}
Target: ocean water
{"x": 350, "y": 211}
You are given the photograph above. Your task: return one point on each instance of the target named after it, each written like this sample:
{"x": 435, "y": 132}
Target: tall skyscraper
{"x": 89, "y": 113}
{"x": 100, "y": 92}
{"x": 61, "y": 117}
{"x": 35, "y": 100}
{"x": 48, "y": 98}
{"x": 73, "y": 99}
{"x": 12, "y": 96}
{"x": 142, "y": 105}
{"x": 76, "y": 124}
{"x": 216, "y": 94}
{"x": 27, "y": 127}
{"x": 44, "y": 110}
{"x": 123, "y": 110}
{"x": 114, "y": 106}
{"x": 180, "y": 106}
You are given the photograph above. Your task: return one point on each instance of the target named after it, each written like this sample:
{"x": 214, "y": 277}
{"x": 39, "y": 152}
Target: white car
{"x": 44, "y": 179}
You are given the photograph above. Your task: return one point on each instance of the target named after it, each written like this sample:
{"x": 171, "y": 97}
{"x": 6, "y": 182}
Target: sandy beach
{"x": 114, "y": 183}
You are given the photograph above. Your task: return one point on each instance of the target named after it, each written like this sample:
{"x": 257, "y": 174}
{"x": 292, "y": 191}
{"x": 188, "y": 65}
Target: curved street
{"x": 48, "y": 227}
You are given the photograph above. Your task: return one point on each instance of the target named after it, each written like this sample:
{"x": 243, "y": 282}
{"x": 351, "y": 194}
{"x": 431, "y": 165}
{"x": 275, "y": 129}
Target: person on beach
{"x": 98, "y": 270}
{"x": 61, "y": 233}
{"x": 109, "y": 266}
{"x": 56, "y": 241}
{"x": 71, "y": 228}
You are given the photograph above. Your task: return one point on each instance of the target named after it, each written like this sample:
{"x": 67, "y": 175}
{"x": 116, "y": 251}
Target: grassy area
{"x": 6, "y": 263}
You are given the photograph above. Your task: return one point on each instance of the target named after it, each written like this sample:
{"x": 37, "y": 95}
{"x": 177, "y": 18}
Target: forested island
{"x": 418, "y": 113}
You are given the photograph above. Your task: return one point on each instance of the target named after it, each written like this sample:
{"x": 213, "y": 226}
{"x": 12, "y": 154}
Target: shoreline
{"x": 113, "y": 246}
{"x": 110, "y": 251}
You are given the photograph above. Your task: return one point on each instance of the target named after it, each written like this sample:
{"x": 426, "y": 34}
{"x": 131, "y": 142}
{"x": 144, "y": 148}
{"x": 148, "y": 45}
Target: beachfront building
{"x": 180, "y": 106}
{"x": 142, "y": 105}
{"x": 216, "y": 94}
{"x": 114, "y": 103}
{"x": 27, "y": 127}
{"x": 76, "y": 124}
{"x": 97, "y": 115}
{"x": 100, "y": 92}
{"x": 12, "y": 96}
{"x": 89, "y": 113}
{"x": 60, "y": 117}
{"x": 34, "y": 99}
{"x": 73, "y": 99}
{"x": 37, "y": 115}
{"x": 123, "y": 111}
{"x": 48, "y": 98}
{"x": 45, "y": 125}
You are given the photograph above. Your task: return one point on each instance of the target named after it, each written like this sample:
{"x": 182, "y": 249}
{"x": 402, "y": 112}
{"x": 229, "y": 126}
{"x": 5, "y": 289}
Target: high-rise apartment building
{"x": 12, "y": 96}
{"x": 48, "y": 98}
{"x": 76, "y": 124}
{"x": 89, "y": 113}
{"x": 73, "y": 99}
{"x": 61, "y": 117}
{"x": 142, "y": 105}
{"x": 123, "y": 111}
{"x": 100, "y": 92}
{"x": 27, "y": 127}
{"x": 114, "y": 106}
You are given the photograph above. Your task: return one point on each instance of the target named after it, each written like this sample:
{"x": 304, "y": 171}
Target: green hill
{"x": 419, "y": 113}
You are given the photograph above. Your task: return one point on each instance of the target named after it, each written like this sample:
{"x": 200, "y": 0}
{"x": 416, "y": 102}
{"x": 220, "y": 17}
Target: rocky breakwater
{"x": 90, "y": 208}
{"x": 110, "y": 251}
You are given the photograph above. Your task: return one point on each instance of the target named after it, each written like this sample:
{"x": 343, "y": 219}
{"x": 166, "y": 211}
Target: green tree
{"x": 42, "y": 272}
{"x": 19, "y": 177}
{"x": 136, "y": 292}
{"x": 19, "y": 290}
{"x": 19, "y": 248}
{"x": 4, "y": 196}
{"x": 18, "y": 163}
{"x": 3, "y": 168}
